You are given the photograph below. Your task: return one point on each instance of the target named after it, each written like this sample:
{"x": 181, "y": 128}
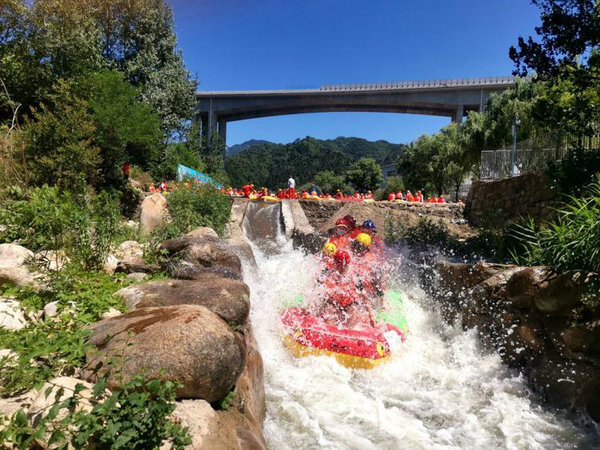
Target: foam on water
{"x": 441, "y": 390}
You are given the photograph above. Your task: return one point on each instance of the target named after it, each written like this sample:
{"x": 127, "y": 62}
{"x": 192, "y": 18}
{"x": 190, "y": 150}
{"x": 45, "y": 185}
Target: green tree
{"x": 329, "y": 182}
{"x": 365, "y": 175}
{"x": 186, "y": 152}
{"x": 59, "y": 141}
{"x": 566, "y": 58}
{"x": 126, "y": 128}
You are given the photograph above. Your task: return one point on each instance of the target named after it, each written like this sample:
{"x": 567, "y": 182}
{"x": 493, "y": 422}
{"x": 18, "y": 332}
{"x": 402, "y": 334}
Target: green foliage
{"x": 59, "y": 147}
{"x": 81, "y": 224}
{"x": 567, "y": 61}
{"x": 571, "y": 242}
{"x": 329, "y": 182}
{"x": 394, "y": 184}
{"x": 188, "y": 153}
{"x": 56, "y": 346}
{"x": 436, "y": 163}
{"x": 134, "y": 417}
{"x": 225, "y": 404}
{"x": 44, "y": 40}
{"x": 270, "y": 165}
{"x": 365, "y": 175}
{"x": 199, "y": 206}
{"x": 575, "y": 172}
{"x": 126, "y": 130}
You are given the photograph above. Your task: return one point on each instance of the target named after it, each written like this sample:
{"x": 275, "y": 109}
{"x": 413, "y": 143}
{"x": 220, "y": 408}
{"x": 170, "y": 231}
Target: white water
{"x": 441, "y": 391}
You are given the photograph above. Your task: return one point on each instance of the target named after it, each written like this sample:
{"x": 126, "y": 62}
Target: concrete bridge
{"x": 447, "y": 98}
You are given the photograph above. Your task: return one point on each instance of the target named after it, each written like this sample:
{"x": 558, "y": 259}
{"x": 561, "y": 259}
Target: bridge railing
{"x": 531, "y": 154}
{"x": 465, "y": 82}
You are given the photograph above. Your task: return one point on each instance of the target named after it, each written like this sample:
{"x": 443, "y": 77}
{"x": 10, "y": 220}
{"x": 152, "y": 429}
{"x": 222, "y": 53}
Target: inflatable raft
{"x": 363, "y": 347}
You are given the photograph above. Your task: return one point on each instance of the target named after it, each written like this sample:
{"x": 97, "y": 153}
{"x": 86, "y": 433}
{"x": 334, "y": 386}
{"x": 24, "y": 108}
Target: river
{"x": 442, "y": 390}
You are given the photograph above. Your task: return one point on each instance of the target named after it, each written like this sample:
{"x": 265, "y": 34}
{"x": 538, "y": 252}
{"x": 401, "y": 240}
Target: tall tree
{"x": 566, "y": 56}
{"x": 365, "y": 175}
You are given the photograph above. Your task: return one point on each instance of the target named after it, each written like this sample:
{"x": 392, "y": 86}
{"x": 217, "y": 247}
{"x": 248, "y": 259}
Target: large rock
{"x": 185, "y": 343}
{"x": 212, "y": 254}
{"x": 129, "y": 251}
{"x": 13, "y": 266}
{"x": 212, "y": 429}
{"x": 13, "y": 255}
{"x": 154, "y": 213}
{"x": 185, "y": 270}
{"x": 227, "y": 298}
{"x": 203, "y": 248}
{"x": 11, "y": 315}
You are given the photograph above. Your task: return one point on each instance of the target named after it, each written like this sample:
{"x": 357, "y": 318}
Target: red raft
{"x": 362, "y": 348}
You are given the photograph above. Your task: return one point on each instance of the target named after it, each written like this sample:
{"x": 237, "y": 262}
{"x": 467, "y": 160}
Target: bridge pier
{"x": 222, "y": 130}
{"x": 457, "y": 117}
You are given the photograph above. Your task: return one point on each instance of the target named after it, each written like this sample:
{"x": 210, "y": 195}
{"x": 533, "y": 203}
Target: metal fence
{"x": 532, "y": 154}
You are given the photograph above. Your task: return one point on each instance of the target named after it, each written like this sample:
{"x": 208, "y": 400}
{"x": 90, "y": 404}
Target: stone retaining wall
{"x": 494, "y": 203}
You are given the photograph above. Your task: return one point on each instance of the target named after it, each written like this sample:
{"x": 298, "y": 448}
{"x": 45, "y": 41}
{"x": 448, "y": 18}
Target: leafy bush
{"x": 198, "y": 206}
{"x": 571, "y": 242}
{"x": 329, "y": 182}
{"x": 575, "y": 172}
{"x": 365, "y": 175}
{"x": 135, "y": 417}
{"x": 82, "y": 224}
{"x": 394, "y": 184}
{"x": 144, "y": 178}
{"x": 59, "y": 138}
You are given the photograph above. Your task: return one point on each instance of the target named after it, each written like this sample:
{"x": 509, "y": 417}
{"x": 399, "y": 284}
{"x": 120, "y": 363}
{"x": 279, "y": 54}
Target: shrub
{"x": 59, "y": 139}
{"x": 144, "y": 178}
{"x": 571, "y": 242}
{"x": 329, "y": 182}
{"x": 81, "y": 224}
{"x": 575, "y": 172}
{"x": 198, "y": 206}
{"x": 394, "y": 184}
{"x": 135, "y": 417}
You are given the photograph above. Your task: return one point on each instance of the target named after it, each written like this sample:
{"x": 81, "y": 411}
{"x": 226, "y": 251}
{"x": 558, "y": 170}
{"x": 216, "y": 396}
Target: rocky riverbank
{"x": 190, "y": 328}
{"x": 532, "y": 317}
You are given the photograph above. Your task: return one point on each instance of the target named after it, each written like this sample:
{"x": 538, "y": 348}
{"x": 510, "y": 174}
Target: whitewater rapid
{"x": 442, "y": 390}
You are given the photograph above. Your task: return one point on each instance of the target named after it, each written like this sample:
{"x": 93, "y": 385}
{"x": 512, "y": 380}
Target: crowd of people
{"x": 351, "y": 280}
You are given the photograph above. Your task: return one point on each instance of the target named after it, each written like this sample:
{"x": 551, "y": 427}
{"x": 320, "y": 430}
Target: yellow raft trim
{"x": 269, "y": 198}
{"x": 349, "y": 361}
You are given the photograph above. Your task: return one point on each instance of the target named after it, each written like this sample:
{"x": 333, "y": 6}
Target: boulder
{"x": 178, "y": 244}
{"x": 137, "y": 276}
{"x": 227, "y": 298}
{"x": 185, "y": 270}
{"x": 466, "y": 276}
{"x": 210, "y": 253}
{"x": 13, "y": 255}
{"x": 47, "y": 397}
{"x": 581, "y": 340}
{"x": 129, "y": 251}
{"x": 50, "y": 309}
{"x": 153, "y": 213}
{"x": 11, "y": 315}
{"x": 522, "y": 287}
{"x": 212, "y": 429}
{"x": 110, "y": 264}
{"x": 112, "y": 312}
{"x": 137, "y": 266}
{"x": 18, "y": 276}
{"x": 184, "y": 343}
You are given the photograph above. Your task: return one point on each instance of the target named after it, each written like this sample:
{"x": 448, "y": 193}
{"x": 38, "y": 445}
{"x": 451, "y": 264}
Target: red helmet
{"x": 342, "y": 225}
{"x": 350, "y": 220}
{"x": 341, "y": 258}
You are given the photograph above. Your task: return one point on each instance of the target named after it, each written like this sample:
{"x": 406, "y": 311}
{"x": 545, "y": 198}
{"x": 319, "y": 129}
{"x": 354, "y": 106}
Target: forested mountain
{"x": 238, "y": 148}
{"x": 271, "y": 164}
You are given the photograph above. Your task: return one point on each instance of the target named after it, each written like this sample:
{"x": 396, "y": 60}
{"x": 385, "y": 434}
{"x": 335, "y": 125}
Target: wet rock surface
{"x": 527, "y": 315}
{"x": 184, "y": 343}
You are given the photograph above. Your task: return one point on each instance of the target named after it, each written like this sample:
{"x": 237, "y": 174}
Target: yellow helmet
{"x": 364, "y": 239}
{"x": 330, "y": 248}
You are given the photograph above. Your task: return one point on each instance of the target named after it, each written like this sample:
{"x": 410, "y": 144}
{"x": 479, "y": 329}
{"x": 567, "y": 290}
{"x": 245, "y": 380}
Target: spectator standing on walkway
{"x": 292, "y": 187}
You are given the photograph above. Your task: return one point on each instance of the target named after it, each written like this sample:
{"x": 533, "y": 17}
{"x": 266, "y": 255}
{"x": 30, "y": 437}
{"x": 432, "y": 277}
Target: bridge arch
{"x": 447, "y": 98}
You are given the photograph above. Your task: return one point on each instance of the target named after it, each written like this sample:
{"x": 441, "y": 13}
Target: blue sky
{"x": 281, "y": 44}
